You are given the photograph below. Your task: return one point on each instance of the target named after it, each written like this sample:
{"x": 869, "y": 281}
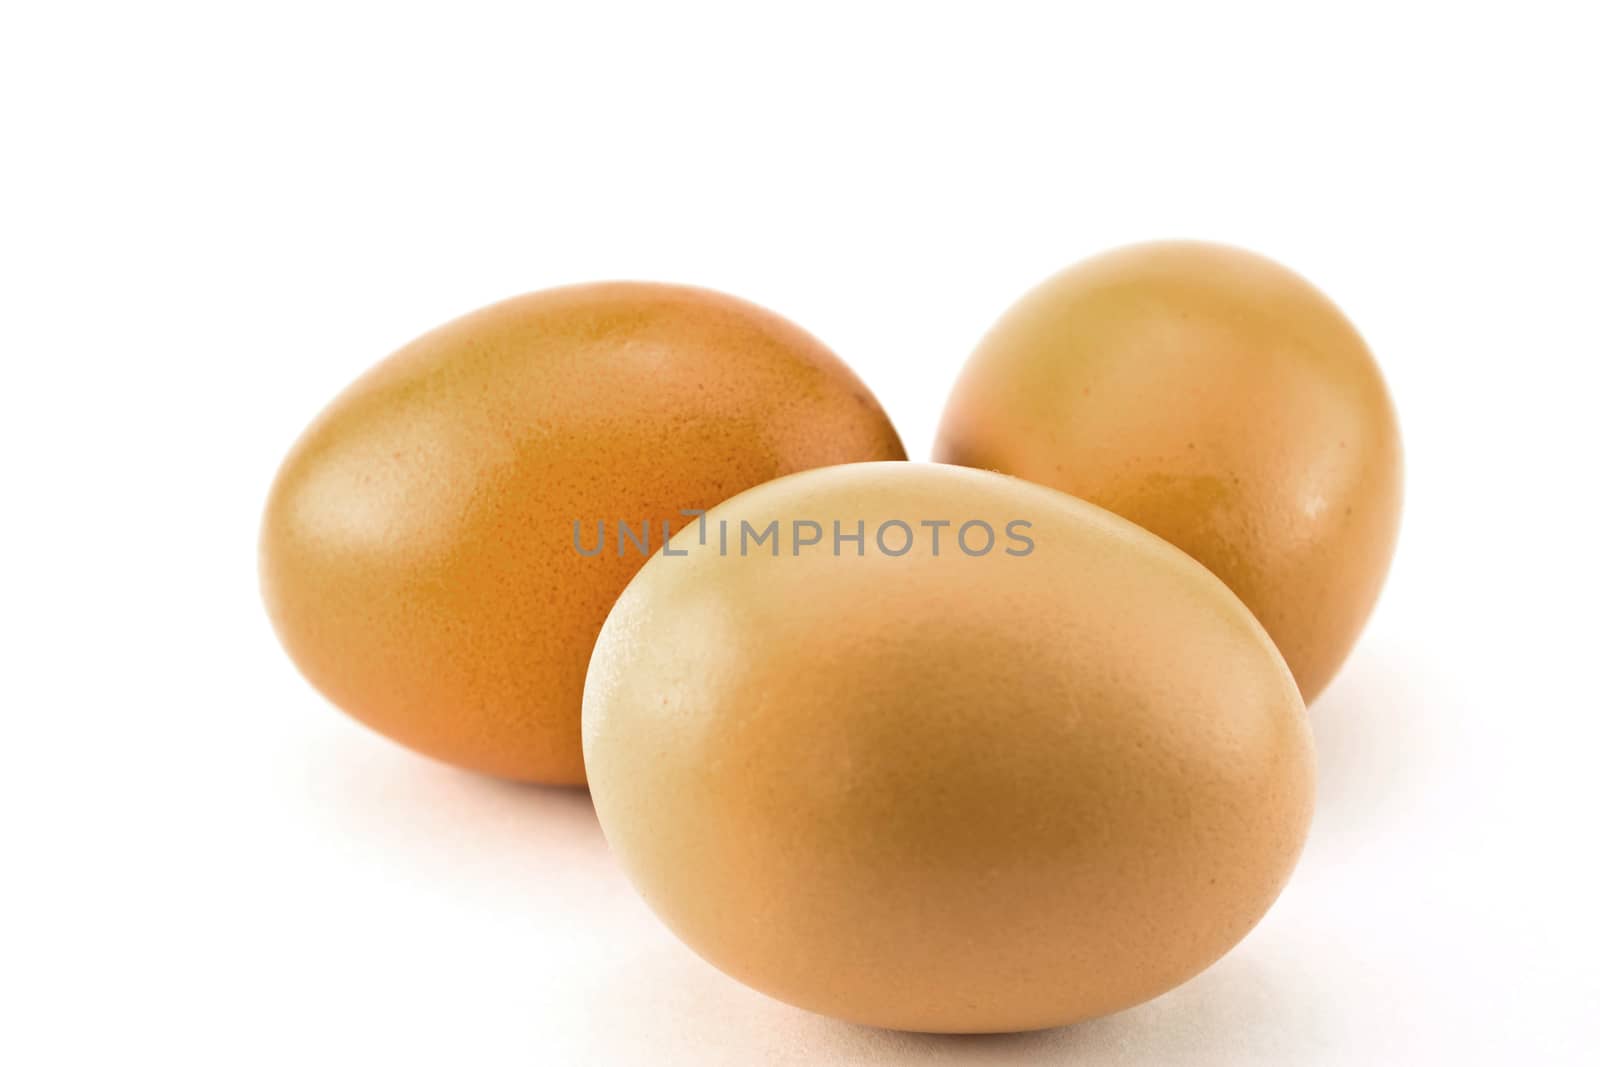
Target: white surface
{"x": 211, "y": 221}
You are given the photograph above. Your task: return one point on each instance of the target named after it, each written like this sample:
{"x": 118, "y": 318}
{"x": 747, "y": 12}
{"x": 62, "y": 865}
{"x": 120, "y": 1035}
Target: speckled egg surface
{"x": 981, "y": 757}
{"x": 1216, "y": 399}
{"x": 419, "y": 552}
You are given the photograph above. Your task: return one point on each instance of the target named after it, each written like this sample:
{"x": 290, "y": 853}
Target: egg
{"x": 937, "y": 749}
{"x": 1221, "y": 402}
{"x": 441, "y": 546}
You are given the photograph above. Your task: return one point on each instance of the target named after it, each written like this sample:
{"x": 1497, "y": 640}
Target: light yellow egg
{"x": 1218, "y": 400}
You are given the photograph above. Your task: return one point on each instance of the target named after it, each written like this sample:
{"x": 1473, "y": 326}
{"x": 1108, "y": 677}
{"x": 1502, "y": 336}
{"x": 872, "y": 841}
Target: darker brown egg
{"x": 420, "y": 550}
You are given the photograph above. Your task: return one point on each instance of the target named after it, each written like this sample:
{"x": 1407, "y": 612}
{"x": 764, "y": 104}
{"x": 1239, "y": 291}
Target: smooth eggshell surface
{"x": 1216, "y": 399}
{"x": 417, "y": 554}
{"x": 936, "y": 790}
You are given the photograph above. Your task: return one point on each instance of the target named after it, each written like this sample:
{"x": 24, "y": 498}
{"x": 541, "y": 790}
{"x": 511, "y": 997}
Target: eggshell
{"x": 1219, "y": 401}
{"x": 418, "y": 552}
{"x": 943, "y": 788}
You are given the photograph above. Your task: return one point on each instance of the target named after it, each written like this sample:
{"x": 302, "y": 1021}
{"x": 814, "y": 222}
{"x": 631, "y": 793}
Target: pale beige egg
{"x": 980, "y": 757}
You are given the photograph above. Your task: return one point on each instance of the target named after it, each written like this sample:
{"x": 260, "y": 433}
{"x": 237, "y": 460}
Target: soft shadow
{"x": 412, "y": 812}
{"x": 669, "y": 1007}
{"x": 1374, "y": 742}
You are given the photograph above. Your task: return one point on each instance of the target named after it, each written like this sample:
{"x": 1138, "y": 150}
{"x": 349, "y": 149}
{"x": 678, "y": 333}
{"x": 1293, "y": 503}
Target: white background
{"x": 212, "y": 220}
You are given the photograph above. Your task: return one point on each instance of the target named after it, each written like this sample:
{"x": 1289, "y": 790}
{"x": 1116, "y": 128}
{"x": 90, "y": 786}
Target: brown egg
{"x": 1031, "y": 765}
{"x": 1216, "y": 399}
{"x": 419, "y": 552}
